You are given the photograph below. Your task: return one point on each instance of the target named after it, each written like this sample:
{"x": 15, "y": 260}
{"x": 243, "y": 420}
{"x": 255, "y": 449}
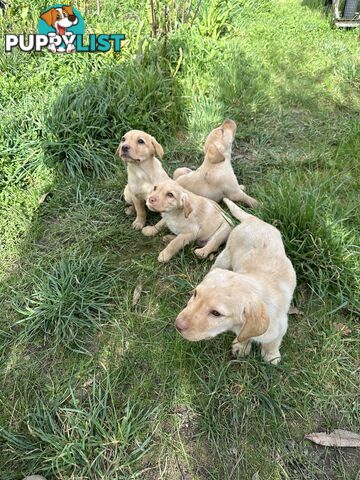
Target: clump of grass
{"x": 90, "y": 438}
{"x": 88, "y": 119}
{"x": 321, "y": 249}
{"x": 69, "y": 302}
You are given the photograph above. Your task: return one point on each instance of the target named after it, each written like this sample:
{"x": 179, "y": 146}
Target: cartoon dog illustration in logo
{"x": 60, "y": 19}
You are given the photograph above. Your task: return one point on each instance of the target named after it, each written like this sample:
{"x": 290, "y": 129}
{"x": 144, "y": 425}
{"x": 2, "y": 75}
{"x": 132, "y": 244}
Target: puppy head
{"x": 137, "y": 146}
{"x": 222, "y": 301}
{"x": 168, "y": 196}
{"x": 63, "y": 16}
{"x": 219, "y": 142}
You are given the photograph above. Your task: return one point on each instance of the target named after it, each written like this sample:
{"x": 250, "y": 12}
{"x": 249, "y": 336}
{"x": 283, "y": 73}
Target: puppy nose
{"x": 72, "y": 18}
{"x": 125, "y": 148}
{"x": 152, "y": 200}
{"x": 180, "y": 324}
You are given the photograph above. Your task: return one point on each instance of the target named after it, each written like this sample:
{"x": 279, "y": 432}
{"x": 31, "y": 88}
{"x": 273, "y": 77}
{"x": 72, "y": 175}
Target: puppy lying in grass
{"x": 248, "y": 291}
{"x": 215, "y": 178}
{"x": 189, "y": 216}
{"x": 144, "y": 170}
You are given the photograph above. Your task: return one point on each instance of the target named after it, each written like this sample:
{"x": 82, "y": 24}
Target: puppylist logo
{"x": 62, "y": 30}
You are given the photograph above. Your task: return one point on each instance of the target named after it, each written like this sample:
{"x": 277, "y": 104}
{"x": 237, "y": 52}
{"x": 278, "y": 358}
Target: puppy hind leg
{"x": 219, "y": 237}
{"x": 223, "y": 260}
{"x": 175, "y": 246}
{"x": 181, "y": 171}
{"x": 241, "y": 196}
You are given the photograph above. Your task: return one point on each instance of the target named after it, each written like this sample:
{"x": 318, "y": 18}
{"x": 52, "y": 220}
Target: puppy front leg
{"x": 241, "y": 196}
{"x": 175, "y": 245}
{"x": 128, "y": 199}
{"x": 241, "y": 349}
{"x": 152, "y": 230}
{"x": 271, "y": 351}
{"x": 140, "y": 219}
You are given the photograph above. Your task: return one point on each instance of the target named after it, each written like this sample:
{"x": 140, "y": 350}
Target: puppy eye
{"x": 123, "y": 139}
{"x": 215, "y": 313}
{"x": 58, "y": 16}
{"x": 141, "y": 140}
{"x": 194, "y": 293}
{"x": 155, "y": 187}
{"x": 170, "y": 195}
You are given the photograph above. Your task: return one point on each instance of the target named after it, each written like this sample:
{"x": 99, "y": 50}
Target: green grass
{"x": 69, "y": 302}
{"x": 97, "y": 386}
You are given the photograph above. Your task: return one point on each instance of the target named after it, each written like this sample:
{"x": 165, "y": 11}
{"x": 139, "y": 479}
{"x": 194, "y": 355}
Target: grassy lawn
{"x": 95, "y": 382}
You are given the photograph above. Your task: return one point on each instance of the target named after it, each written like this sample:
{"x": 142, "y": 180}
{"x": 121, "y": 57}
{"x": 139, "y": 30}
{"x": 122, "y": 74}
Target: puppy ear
{"x": 68, "y": 9}
{"x": 229, "y": 124}
{"x": 256, "y": 321}
{"x": 214, "y": 155}
{"x": 185, "y": 203}
{"x": 47, "y": 16}
{"x": 158, "y": 148}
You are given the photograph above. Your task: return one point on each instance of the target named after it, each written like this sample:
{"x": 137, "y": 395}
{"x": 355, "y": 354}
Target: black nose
{"x": 72, "y": 18}
{"x": 125, "y": 148}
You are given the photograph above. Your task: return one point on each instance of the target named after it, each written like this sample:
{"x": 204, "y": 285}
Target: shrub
{"x": 87, "y": 121}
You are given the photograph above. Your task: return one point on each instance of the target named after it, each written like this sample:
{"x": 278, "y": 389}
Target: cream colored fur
{"x": 190, "y": 217}
{"x": 250, "y": 286}
{"x": 144, "y": 170}
{"x": 215, "y": 178}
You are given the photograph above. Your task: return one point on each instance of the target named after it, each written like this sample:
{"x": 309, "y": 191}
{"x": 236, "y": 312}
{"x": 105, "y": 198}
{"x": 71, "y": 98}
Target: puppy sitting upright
{"x": 144, "y": 171}
{"x": 189, "y": 216}
{"x": 253, "y": 299}
{"x": 215, "y": 178}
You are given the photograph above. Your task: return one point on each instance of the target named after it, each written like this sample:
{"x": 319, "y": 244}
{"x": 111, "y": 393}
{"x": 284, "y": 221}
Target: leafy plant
{"x": 88, "y": 120}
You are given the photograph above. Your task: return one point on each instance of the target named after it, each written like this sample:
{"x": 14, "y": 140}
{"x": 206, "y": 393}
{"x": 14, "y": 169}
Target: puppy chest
{"x": 140, "y": 184}
{"x": 177, "y": 224}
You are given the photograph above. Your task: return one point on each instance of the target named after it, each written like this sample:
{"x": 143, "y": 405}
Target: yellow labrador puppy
{"x": 144, "y": 170}
{"x": 190, "y": 217}
{"x": 248, "y": 291}
{"x": 215, "y": 178}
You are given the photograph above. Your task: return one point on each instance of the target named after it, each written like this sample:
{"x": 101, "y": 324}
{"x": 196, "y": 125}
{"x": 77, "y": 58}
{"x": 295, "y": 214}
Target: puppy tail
{"x": 236, "y": 211}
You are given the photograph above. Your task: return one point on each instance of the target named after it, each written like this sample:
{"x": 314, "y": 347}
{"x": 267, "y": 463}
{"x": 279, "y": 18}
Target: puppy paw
{"x": 129, "y": 210}
{"x": 164, "y": 256}
{"x": 240, "y": 349}
{"x": 242, "y": 187}
{"x": 271, "y": 357}
{"x": 201, "y": 253}
{"x": 168, "y": 238}
{"x": 252, "y": 203}
{"x": 138, "y": 224}
{"x": 149, "y": 231}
